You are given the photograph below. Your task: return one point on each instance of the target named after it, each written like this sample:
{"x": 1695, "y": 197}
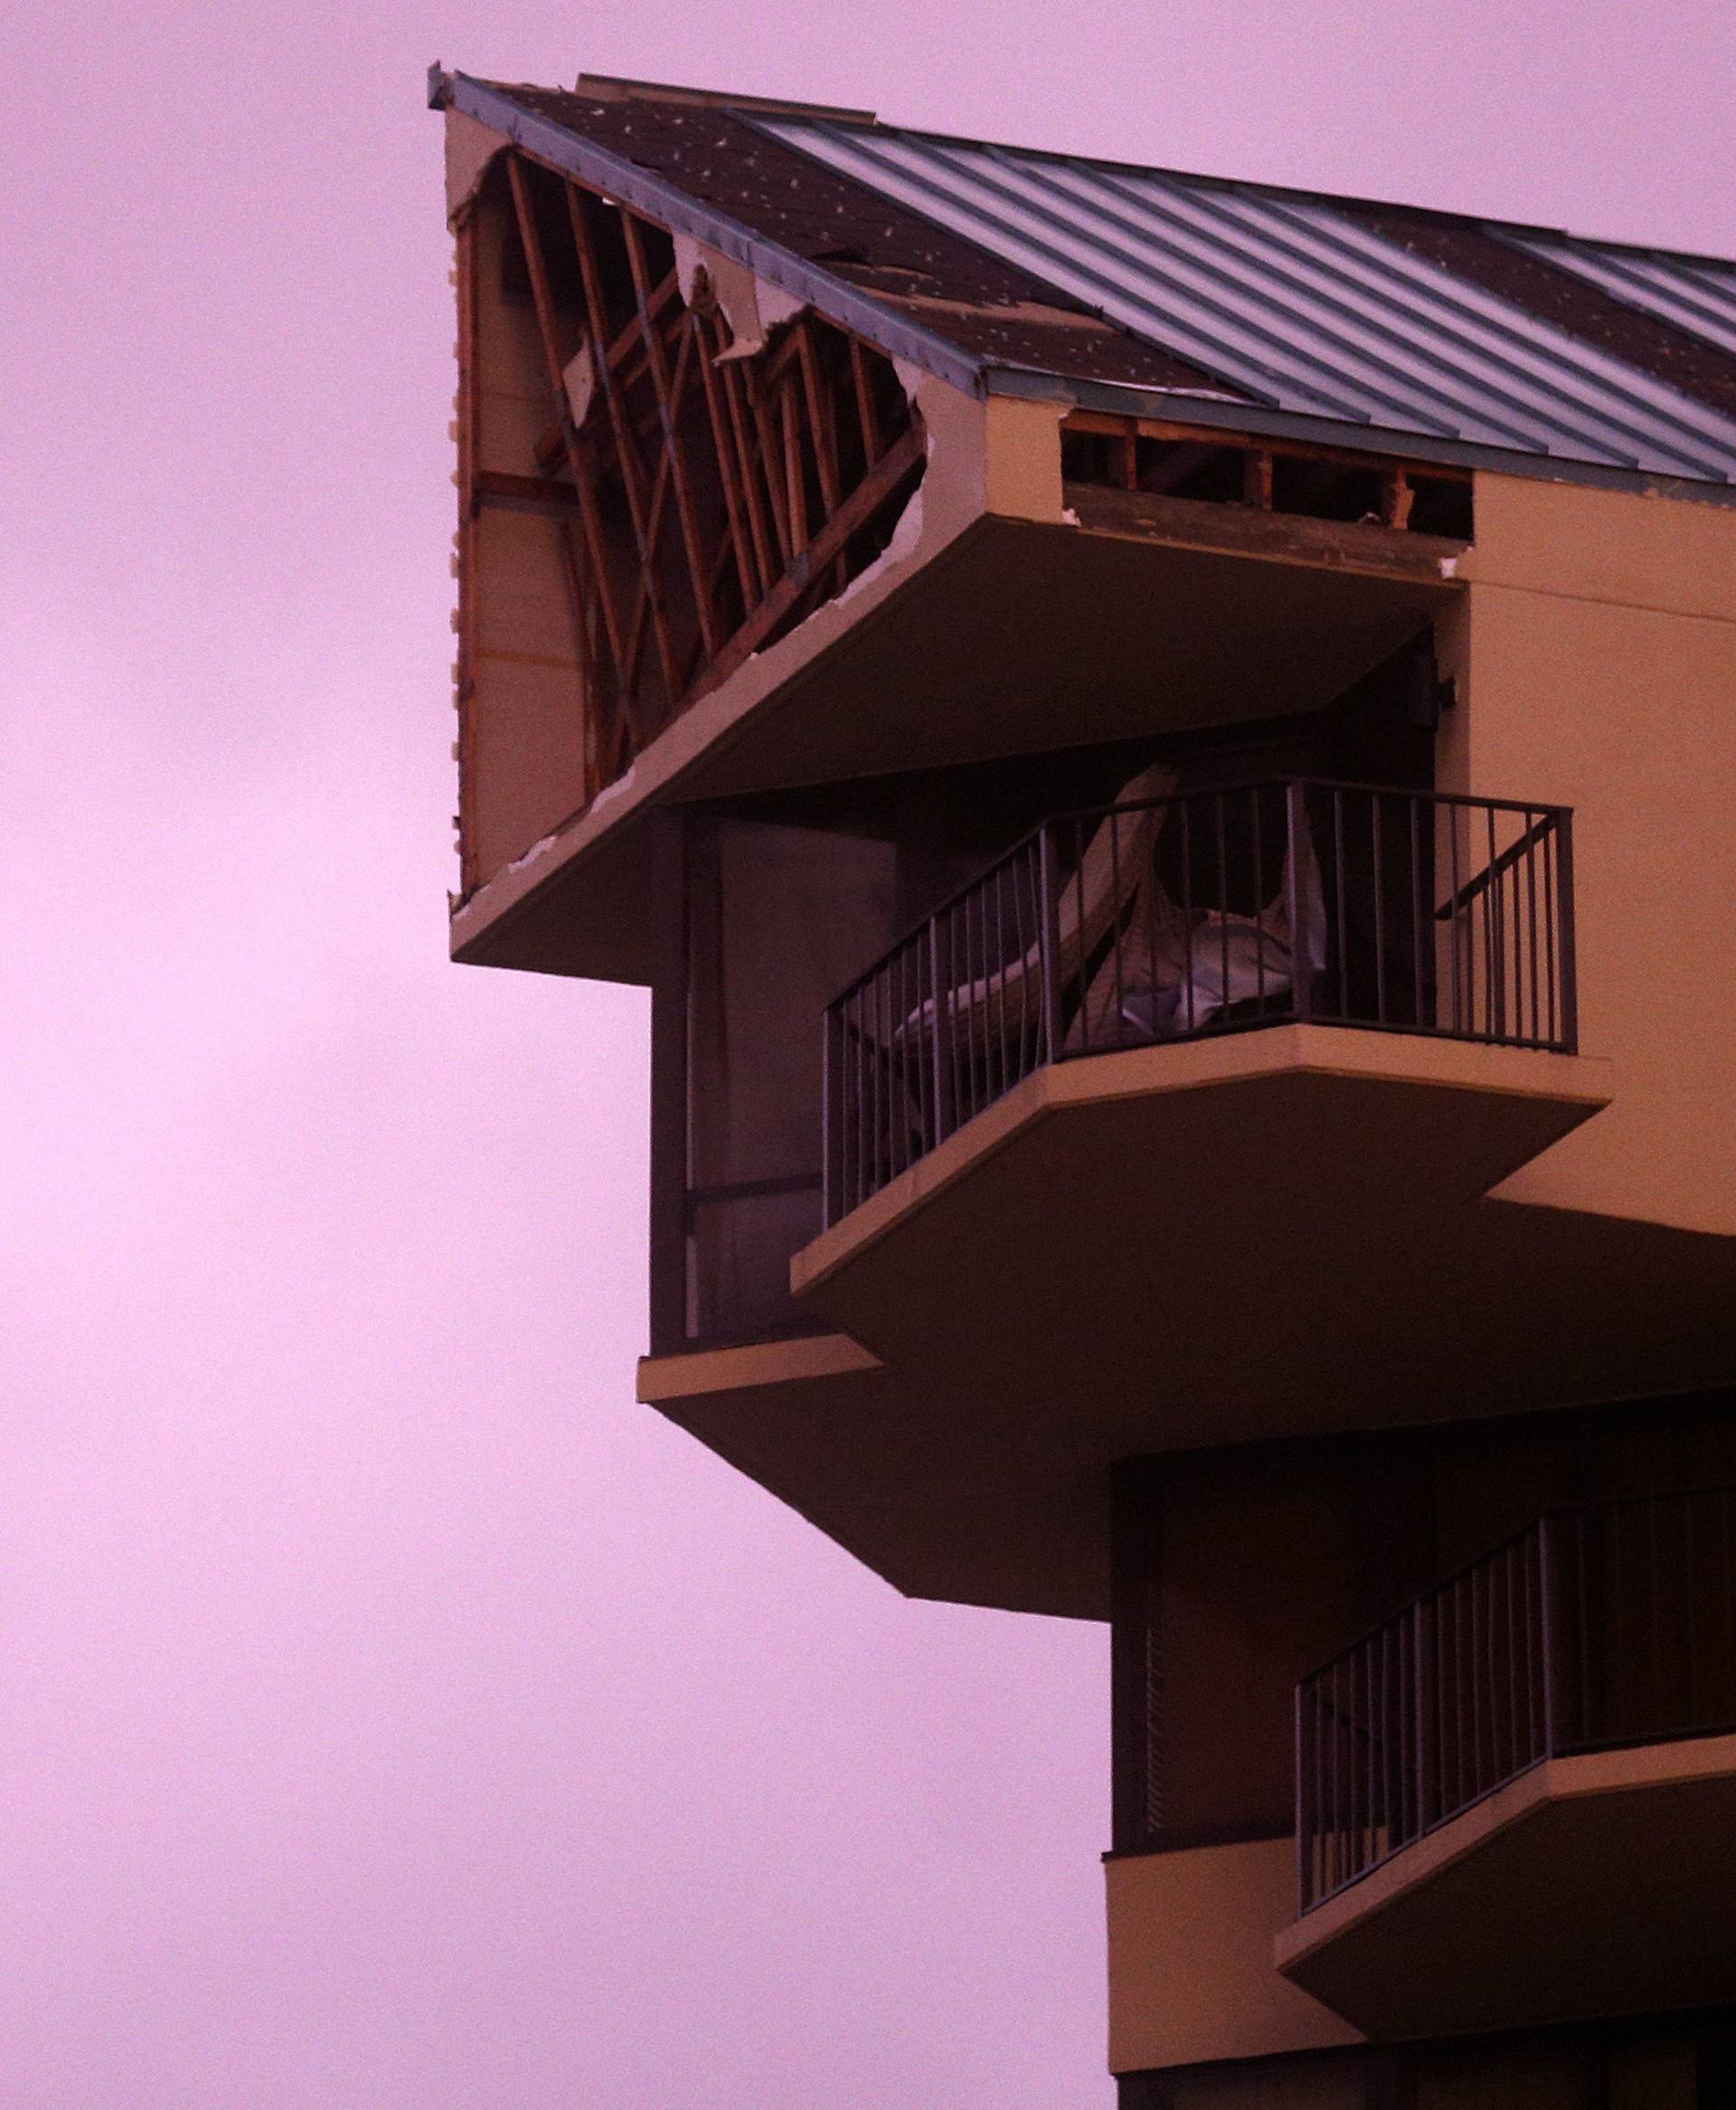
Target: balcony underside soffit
{"x": 1593, "y": 1885}
{"x": 1015, "y": 638}
{"x": 1276, "y": 1234}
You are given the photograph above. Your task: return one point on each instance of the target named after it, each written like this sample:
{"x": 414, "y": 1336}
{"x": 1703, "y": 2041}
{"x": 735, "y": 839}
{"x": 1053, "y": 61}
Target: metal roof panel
{"x": 1692, "y": 293}
{"x": 1297, "y": 301}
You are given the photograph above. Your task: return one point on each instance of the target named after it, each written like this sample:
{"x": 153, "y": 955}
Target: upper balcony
{"x": 1197, "y": 1088}
{"x": 1166, "y": 918}
{"x": 1515, "y": 1799}
{"x": 1171, "y": 1129}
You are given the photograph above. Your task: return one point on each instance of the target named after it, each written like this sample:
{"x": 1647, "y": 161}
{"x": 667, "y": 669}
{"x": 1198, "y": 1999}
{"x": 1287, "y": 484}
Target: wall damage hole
{"x": 709, "y": 490}
{"x": 1223, "y": 469}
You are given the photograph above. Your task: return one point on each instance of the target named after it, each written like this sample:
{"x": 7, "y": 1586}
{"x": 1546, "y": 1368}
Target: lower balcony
{"x": 1516, "y": 1799}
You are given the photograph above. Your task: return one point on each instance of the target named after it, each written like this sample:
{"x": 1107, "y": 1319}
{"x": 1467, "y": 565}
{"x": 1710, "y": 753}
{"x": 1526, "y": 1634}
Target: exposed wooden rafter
{"x": 708, "y": 497}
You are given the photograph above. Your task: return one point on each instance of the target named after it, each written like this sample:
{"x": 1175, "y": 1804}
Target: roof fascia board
{"x": 1177, "y": 406}
{"x": 595, "y": 166}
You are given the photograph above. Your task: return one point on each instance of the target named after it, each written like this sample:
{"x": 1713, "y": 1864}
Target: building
{"x": 934, "y": 613}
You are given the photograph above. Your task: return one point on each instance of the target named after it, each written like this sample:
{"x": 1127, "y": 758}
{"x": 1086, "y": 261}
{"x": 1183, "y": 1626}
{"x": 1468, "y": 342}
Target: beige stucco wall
{"x": 1023, "y": 475}
{"x": 1597, "y": 650}
{"x": 1191, "y": 1970}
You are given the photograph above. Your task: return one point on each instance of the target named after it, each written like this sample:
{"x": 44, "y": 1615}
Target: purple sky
{"x": 396, "y": 1717}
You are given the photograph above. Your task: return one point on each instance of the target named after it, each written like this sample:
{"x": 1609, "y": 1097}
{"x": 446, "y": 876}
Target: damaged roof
{"x": 1011, "y": 271}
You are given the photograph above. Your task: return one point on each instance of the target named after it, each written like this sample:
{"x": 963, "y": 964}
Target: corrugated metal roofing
{"x": 1692, "y": 293}
{"x": 1308, "y": 309}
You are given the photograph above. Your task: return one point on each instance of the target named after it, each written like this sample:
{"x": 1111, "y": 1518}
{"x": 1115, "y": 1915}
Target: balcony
{"x": 1180, "y": 1106}
{"x": 1167, "y": 919}
{"x": 1515, "y": 1799}
{"x": 1172, "y": 1129}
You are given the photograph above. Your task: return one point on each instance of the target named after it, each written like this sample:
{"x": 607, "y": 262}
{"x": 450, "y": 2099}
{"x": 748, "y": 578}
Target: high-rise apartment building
{"x": 1166, "y": 750}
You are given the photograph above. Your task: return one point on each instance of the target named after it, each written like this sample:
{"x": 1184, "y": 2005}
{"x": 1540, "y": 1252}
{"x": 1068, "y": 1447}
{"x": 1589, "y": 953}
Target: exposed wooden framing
{"x": 856, "y": 511}
{"x": 626, "y": 339}
{"x": 722, "y": 441}
{"x": 872, "y": 445}
{"x": 780, "y": 358}
{"x": 722, "y": 557}
{"x": 763, "y": 531}
{"x": 549, "y": 329}
{"x": 1196, "y": 523}
{"x": 544, "y": 495}
{"x": 590, "y": 727}
{"x": 1256, "y": 478}
{"x": 1230, "y": 440}
{"x": 626, "y": 449}
{"x": 1182, "y": 460}
{"x": 820, "y": 427}
{"x": 795, "y": 477}
{"x": 770, "y": 455}
{"x": 703, "y": 505}
{"x": 659, "y": 493}
{"x": 669, "y": 410}
{"x": 822, "y": 431}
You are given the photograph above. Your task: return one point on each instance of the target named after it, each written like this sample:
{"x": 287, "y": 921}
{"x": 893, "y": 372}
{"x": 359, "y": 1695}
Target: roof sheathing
{"x": 921, "y": 292}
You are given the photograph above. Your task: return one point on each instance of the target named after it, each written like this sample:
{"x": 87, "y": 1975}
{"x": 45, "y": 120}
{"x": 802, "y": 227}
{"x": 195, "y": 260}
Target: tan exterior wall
{"x": 1597, "y": 650}
{"x": 1024, "y": 458}
{"x": 1191, "y": 1970}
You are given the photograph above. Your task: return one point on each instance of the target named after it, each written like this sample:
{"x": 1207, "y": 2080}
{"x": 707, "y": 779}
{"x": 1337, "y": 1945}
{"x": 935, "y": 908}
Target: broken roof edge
{"x": 1189, "y": 406}
{"x": 612, "y": 173}
{"x": 774, "y": 106}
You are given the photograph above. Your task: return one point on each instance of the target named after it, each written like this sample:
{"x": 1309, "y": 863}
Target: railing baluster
{"x": 1569, "y": 971}
{"x": 1419, "y": 982}
{"x": 1379, "y": 882}
{"x": 1457, "y": 919}
{"x": 1298, "y": 860}
{"x": 1531, "y": 911}
{"x": 1550, "y": 850}
{"x": 1000, "y": 978}
{"x": 1259, "y": 896}
{"x": 1222, "y": 909}
{"x": 1344, "y": 1006}
{"x": 1048, "y": 911}
{"x": 1186, "y": 807}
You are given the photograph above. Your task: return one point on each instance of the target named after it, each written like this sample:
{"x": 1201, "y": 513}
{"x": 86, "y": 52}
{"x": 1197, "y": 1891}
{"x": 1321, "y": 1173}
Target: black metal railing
{"x": 1204, "y": 912}
{"x": 1607, "y": 1624}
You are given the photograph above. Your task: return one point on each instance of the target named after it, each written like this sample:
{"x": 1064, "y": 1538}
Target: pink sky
{"x": 397, "y": 1717}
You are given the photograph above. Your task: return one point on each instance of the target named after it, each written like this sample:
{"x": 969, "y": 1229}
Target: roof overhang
{"x": 1190, "y": 617}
